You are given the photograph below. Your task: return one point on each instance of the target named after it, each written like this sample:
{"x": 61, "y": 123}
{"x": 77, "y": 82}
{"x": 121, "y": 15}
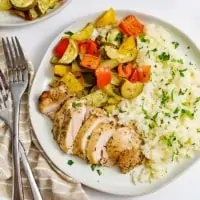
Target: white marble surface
{"x": 185, "y": 14}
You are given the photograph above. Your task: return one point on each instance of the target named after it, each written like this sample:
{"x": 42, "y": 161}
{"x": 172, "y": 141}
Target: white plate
{"x": 111, "y": 180}
{"x": 7, "y": 20}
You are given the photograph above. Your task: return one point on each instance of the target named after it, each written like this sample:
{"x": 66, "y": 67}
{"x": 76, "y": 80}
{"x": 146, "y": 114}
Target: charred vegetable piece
{"x": 19, "y": 13}
{"x": 109, "y": 63}
{"x": 23, "y": 5}
{"x": 116, "y": 80}
{"x": 77, "y": 68}
{"x": 144, "y": 73}
{"x": 88, "y": 47}
{"x": 97, "y": 98}
{"x": 125, "y": 70}
{"x": 45, "y": 5}
{"x": 104, "y": 76}
{"x": 131, "y": 90}
{"x": 32, "y": 13}
{"x": 113, "y": 53}
{"x": 111, "y": 91}
{"x": 114, "y": 37}
{"x": 128, "y": 45}
{"x": 110, "y": 108}
{"x": 70, "y": 53}
{"x": 54, "y": 60}
{"x": 85, "y": 33}
{"x": 131, "y": 26}
{"x": 107, "y": 18}
{"x": 61, "y": 70}
{"x": 73, "y": 84}
{"x": 61, "y": 47}
{"x": 90, "y": 61}
{"x": 5, "y": 5}
{"x": 89, "y": 78}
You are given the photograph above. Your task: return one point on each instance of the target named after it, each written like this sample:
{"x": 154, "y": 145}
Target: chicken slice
{"x": 84, "y": 134}
{"x": 71, "y": 126}
{"x": 62, "y": 115}
{"x": 50, "y": 101}
{"x": 129, "y": 158}
{"x": 125, "y": 138}
{"x": 96, "y": 148}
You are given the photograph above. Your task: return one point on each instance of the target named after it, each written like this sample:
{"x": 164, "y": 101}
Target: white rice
{"x": 167, "y": 112}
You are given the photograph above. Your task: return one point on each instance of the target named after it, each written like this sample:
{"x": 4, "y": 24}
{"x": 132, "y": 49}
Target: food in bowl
{"x": 29, "y": 9}
{"x": 122, "y": 95}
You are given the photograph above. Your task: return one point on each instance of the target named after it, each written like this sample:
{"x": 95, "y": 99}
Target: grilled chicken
{"x": 50, "y": 101}
{"x": 96, "y": 148}
{"x": 122, "y": 145}
{"x": 71, "y": 119}
{"x": 84, "y": 135}
{"x": 129, "y": 158}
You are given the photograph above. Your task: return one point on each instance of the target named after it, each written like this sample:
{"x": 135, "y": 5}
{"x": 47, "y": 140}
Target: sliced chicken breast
{"x": 85, "y": 133}
{"x": 129, "y": 158}
{"x": 125, "y": 138}
{"x": 96, "y": 148}
{"x": 71, "y": 127}
{"x": 50, "y": 101}
{"x": 62, "y": 115}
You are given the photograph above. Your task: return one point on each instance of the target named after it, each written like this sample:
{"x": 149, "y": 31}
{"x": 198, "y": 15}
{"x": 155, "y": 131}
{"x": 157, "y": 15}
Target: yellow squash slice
{"x": 85, "y": 33}
{"x": 107, "y": 18}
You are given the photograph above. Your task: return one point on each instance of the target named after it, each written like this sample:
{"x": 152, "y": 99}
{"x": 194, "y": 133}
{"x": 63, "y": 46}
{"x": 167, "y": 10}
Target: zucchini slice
{"x": 45, "y": 5}
{"x": 5, "y": 5}
{"x": 131, "y": 90}
{"x": 23, "y": 4}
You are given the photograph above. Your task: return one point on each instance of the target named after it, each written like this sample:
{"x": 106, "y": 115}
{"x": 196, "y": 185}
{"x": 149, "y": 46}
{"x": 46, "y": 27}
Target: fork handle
{"x": 17, "y": 192}
{"x": 29, "y": 174}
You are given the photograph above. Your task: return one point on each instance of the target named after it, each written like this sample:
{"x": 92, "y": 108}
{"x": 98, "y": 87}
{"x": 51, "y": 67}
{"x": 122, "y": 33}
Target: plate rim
{"x": 40, "y": 19}
{"x": 68, "y": 25}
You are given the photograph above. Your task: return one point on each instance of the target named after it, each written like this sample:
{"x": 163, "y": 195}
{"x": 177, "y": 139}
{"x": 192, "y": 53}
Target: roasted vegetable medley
{"x": 29, "y": 9}
{"x": 98, "y": 63}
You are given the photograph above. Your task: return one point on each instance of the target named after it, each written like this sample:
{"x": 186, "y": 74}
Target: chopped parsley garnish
{"x": 89, "y": 137}
{"x": 119, "y": 37}
{"x": 197, "y": 100}
{"x": 177, "y": 60}
{"x": 93, "y": 166}
{"x": 172, "y": 95}
{"x": 154, "y": 117}
{"x": 167, "y": 114}
{"x": 169, "y": 140}
{"x": 99, "y": 172}
{"x": 151, "y": 126}
{"x": 181, "y": 92}
{"x": 164, "y": 56}
{"x": 154, "y": 50}
{"x": 68, "y": 33}
{"x": 187, "y": 113}
{"x": 164, "y": 98}
{"x": 70, "y": 162}
{"x": 176, "y": 44}
{"x": 181, "y": 71}
{"x": 188, "y": 47}
{"x": 143, "y": 39}
{"x": 75, "y": 105}
{"x": 175, "y": 153}
{"x": 176, "y": 110}
{"x": 144, "y": 111}
{"x": 190, "y": 63}
{"x": 198, "y": 130}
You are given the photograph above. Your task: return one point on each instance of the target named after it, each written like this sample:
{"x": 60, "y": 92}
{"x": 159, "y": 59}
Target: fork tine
{"x": 17, "y": 59}
{"x": 3, "y": 91}
{"x": 21, "y": 53}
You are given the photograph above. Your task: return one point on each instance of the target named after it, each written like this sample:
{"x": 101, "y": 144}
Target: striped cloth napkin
{"x": 53, "y": 184}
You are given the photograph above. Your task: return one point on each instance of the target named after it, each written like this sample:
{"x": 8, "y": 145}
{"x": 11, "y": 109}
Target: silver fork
{"x": 5, "y": 117}
{"x": 18, "y": 82}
